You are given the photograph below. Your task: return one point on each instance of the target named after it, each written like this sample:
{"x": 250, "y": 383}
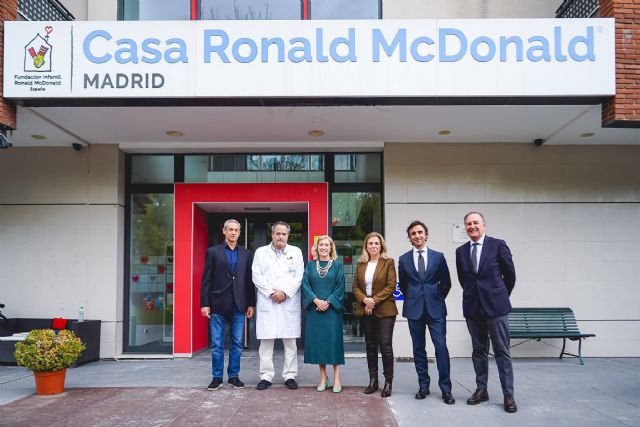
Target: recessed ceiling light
{"x": 587, "y": 135}
{"x": 316, "y": 119}
{"x": 444, "y": 132}
{"x": 38, "y": 137}
{"x": 315, "y": 133}
{"x": 174, "y": 133}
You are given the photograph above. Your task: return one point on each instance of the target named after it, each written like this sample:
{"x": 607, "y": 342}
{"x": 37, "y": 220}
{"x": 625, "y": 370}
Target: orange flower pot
{"x": 50, "y": 382}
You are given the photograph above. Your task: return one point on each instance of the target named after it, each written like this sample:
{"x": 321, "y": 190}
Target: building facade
{"x": 137, "y": 131}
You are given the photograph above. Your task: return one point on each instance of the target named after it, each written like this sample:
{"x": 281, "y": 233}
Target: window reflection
{"x": 150, "y": 169}
{"x": 250, "y": 9}
{"x": 255, "y": 168}
{"x": 345, "y": 9}
{"x": 357, "y": 167}
{"x": 353, "y": 216}
{"x": 151, "y": 272}
{"x": 153, "y": 10}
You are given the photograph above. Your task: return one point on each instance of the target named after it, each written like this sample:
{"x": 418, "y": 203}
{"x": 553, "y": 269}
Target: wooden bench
{"x": 535, "y": 323}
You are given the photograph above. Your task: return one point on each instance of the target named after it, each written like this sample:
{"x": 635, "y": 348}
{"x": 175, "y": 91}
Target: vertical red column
{"x": 200, "y": 244}
{"x": 194, "y": 10}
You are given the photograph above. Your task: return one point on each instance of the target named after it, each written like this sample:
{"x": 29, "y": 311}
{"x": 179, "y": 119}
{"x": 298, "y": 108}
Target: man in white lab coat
{"x": 277, "y": 273}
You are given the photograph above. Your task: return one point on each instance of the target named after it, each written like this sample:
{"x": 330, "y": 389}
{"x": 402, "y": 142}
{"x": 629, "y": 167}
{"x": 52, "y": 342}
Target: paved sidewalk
{"x": 549, "y": 392}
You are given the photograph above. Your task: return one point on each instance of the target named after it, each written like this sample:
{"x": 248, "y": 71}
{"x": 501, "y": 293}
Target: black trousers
{"x": 378, "y": 333}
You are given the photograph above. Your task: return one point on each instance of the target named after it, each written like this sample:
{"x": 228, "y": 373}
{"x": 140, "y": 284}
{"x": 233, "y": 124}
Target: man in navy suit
{"x": 425, "y": 282}
{"x": 487, "y": 275}
{"x": 227, "y": 295}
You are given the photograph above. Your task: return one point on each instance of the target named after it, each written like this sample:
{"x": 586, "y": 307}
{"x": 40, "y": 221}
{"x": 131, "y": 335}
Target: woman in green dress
{"x": 322, "y": 301}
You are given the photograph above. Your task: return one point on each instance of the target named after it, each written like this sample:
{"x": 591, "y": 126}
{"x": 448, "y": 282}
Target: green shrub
{"x": 44, "y": 350}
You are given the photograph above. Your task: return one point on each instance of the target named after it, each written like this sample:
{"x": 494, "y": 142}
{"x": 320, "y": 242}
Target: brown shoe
{"x": 510, "y": 404}
{"x": 480, "y": 395}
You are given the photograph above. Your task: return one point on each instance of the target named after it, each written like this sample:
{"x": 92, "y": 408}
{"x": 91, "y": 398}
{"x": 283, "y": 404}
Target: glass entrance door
{"x": 256, "y": 232}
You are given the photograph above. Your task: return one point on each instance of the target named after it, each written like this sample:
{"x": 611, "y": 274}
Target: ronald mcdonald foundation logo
{"x": 38, "y": 73}
{"x": 38, "y": 53}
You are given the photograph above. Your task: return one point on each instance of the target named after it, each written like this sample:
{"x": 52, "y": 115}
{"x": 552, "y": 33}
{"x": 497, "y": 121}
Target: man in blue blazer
{"x": 227, "y": 295}
{"x": 425, "y": 282}
{"x": 487, "y": 275}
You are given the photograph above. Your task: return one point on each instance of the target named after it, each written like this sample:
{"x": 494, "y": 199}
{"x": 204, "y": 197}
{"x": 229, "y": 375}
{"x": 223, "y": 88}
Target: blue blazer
{"x": 492, "y": 285}
{"x": 427, "y": 294}
{"x": 220, "y": 287}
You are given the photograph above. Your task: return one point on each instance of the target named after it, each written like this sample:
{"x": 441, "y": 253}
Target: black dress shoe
{"x": 291, "y": 384}
{"x": 448, "y": 398}
{"x": 372, "y": 387}
{"x": 422, "y": 393}
{"x": 510, "y": 404}
{"x": 263, "y": 385}
{"x": 480, "y": 395}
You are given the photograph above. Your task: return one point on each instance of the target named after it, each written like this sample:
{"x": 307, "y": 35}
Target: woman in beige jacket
{"x": 373, "y": 287}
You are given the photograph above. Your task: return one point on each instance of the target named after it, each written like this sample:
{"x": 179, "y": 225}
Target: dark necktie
{"x": 474, "y": 257}
{"x": 421, "y": 268}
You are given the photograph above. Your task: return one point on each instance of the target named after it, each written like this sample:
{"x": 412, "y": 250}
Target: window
{"x": 153, "y": 10}
{"x": 353, "y": 216}
{"x": 150, "y": 280}
{"x": 255, "y": 168}
{"x": 357, "y": 167}
{"x": 149, "y": 10}
{"x": 250, "y": 9}
{"x": 152, "y": 170}
{"x": 345, "y": 9}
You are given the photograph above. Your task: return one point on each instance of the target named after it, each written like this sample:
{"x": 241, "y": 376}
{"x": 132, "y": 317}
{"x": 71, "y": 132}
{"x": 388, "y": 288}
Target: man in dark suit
{"x": 425, "y": 282}
{"x": 227, "y": 294}
{"x": 487, "y": 275}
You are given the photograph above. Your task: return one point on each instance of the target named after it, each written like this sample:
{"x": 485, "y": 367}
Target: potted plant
{"x": 48, "y": 353}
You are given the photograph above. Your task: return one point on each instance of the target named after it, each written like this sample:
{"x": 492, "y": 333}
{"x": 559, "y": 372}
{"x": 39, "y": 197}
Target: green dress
{"x": 323, "y": 343}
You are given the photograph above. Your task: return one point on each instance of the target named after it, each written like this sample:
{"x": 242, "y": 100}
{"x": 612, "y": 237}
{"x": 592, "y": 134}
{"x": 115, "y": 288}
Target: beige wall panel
{"x": 101, "y": 10}
{"x": 104, "y": 176}
{"x": 62, "y": 234}
{"x": 61, "y": 175}
{"x": 78, "y": 8}
{"x": 573, "y": 239}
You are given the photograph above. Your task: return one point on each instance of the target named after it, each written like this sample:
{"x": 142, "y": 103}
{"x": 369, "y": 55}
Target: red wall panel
{"x": 200, "y": 244}
{"x": 191, "y": 235}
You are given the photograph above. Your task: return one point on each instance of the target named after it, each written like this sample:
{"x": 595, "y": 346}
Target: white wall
{"x": 568, "y": 213}
{"x": 62, "y": 234}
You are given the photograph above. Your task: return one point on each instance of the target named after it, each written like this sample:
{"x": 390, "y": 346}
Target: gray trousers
{"x": 497, "y": 328}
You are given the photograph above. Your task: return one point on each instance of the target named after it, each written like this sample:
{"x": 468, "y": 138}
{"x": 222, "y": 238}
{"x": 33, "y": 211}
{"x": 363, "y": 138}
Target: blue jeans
{"x": 217, "y": 324}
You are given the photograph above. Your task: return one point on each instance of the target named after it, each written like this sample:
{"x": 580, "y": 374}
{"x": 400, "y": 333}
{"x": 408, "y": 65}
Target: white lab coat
{"x": 270, "y": 272}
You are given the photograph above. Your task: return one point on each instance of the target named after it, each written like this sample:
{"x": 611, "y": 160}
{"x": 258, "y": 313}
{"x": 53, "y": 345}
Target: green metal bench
{"x": 536, "y": 323}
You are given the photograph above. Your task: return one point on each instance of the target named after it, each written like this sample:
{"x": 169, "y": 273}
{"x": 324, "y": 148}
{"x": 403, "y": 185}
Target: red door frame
{"x": 191, "y": 240}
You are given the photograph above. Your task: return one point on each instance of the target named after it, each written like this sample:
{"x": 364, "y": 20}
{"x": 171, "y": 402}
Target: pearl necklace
{"x": 323, "y": 271}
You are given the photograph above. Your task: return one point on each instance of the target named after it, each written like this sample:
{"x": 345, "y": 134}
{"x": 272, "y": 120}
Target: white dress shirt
{"x": 416, "y": 255}
{"x": 480, "y": 243}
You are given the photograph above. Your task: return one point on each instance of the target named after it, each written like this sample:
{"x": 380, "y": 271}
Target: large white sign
{"x": 373, "y": 58}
